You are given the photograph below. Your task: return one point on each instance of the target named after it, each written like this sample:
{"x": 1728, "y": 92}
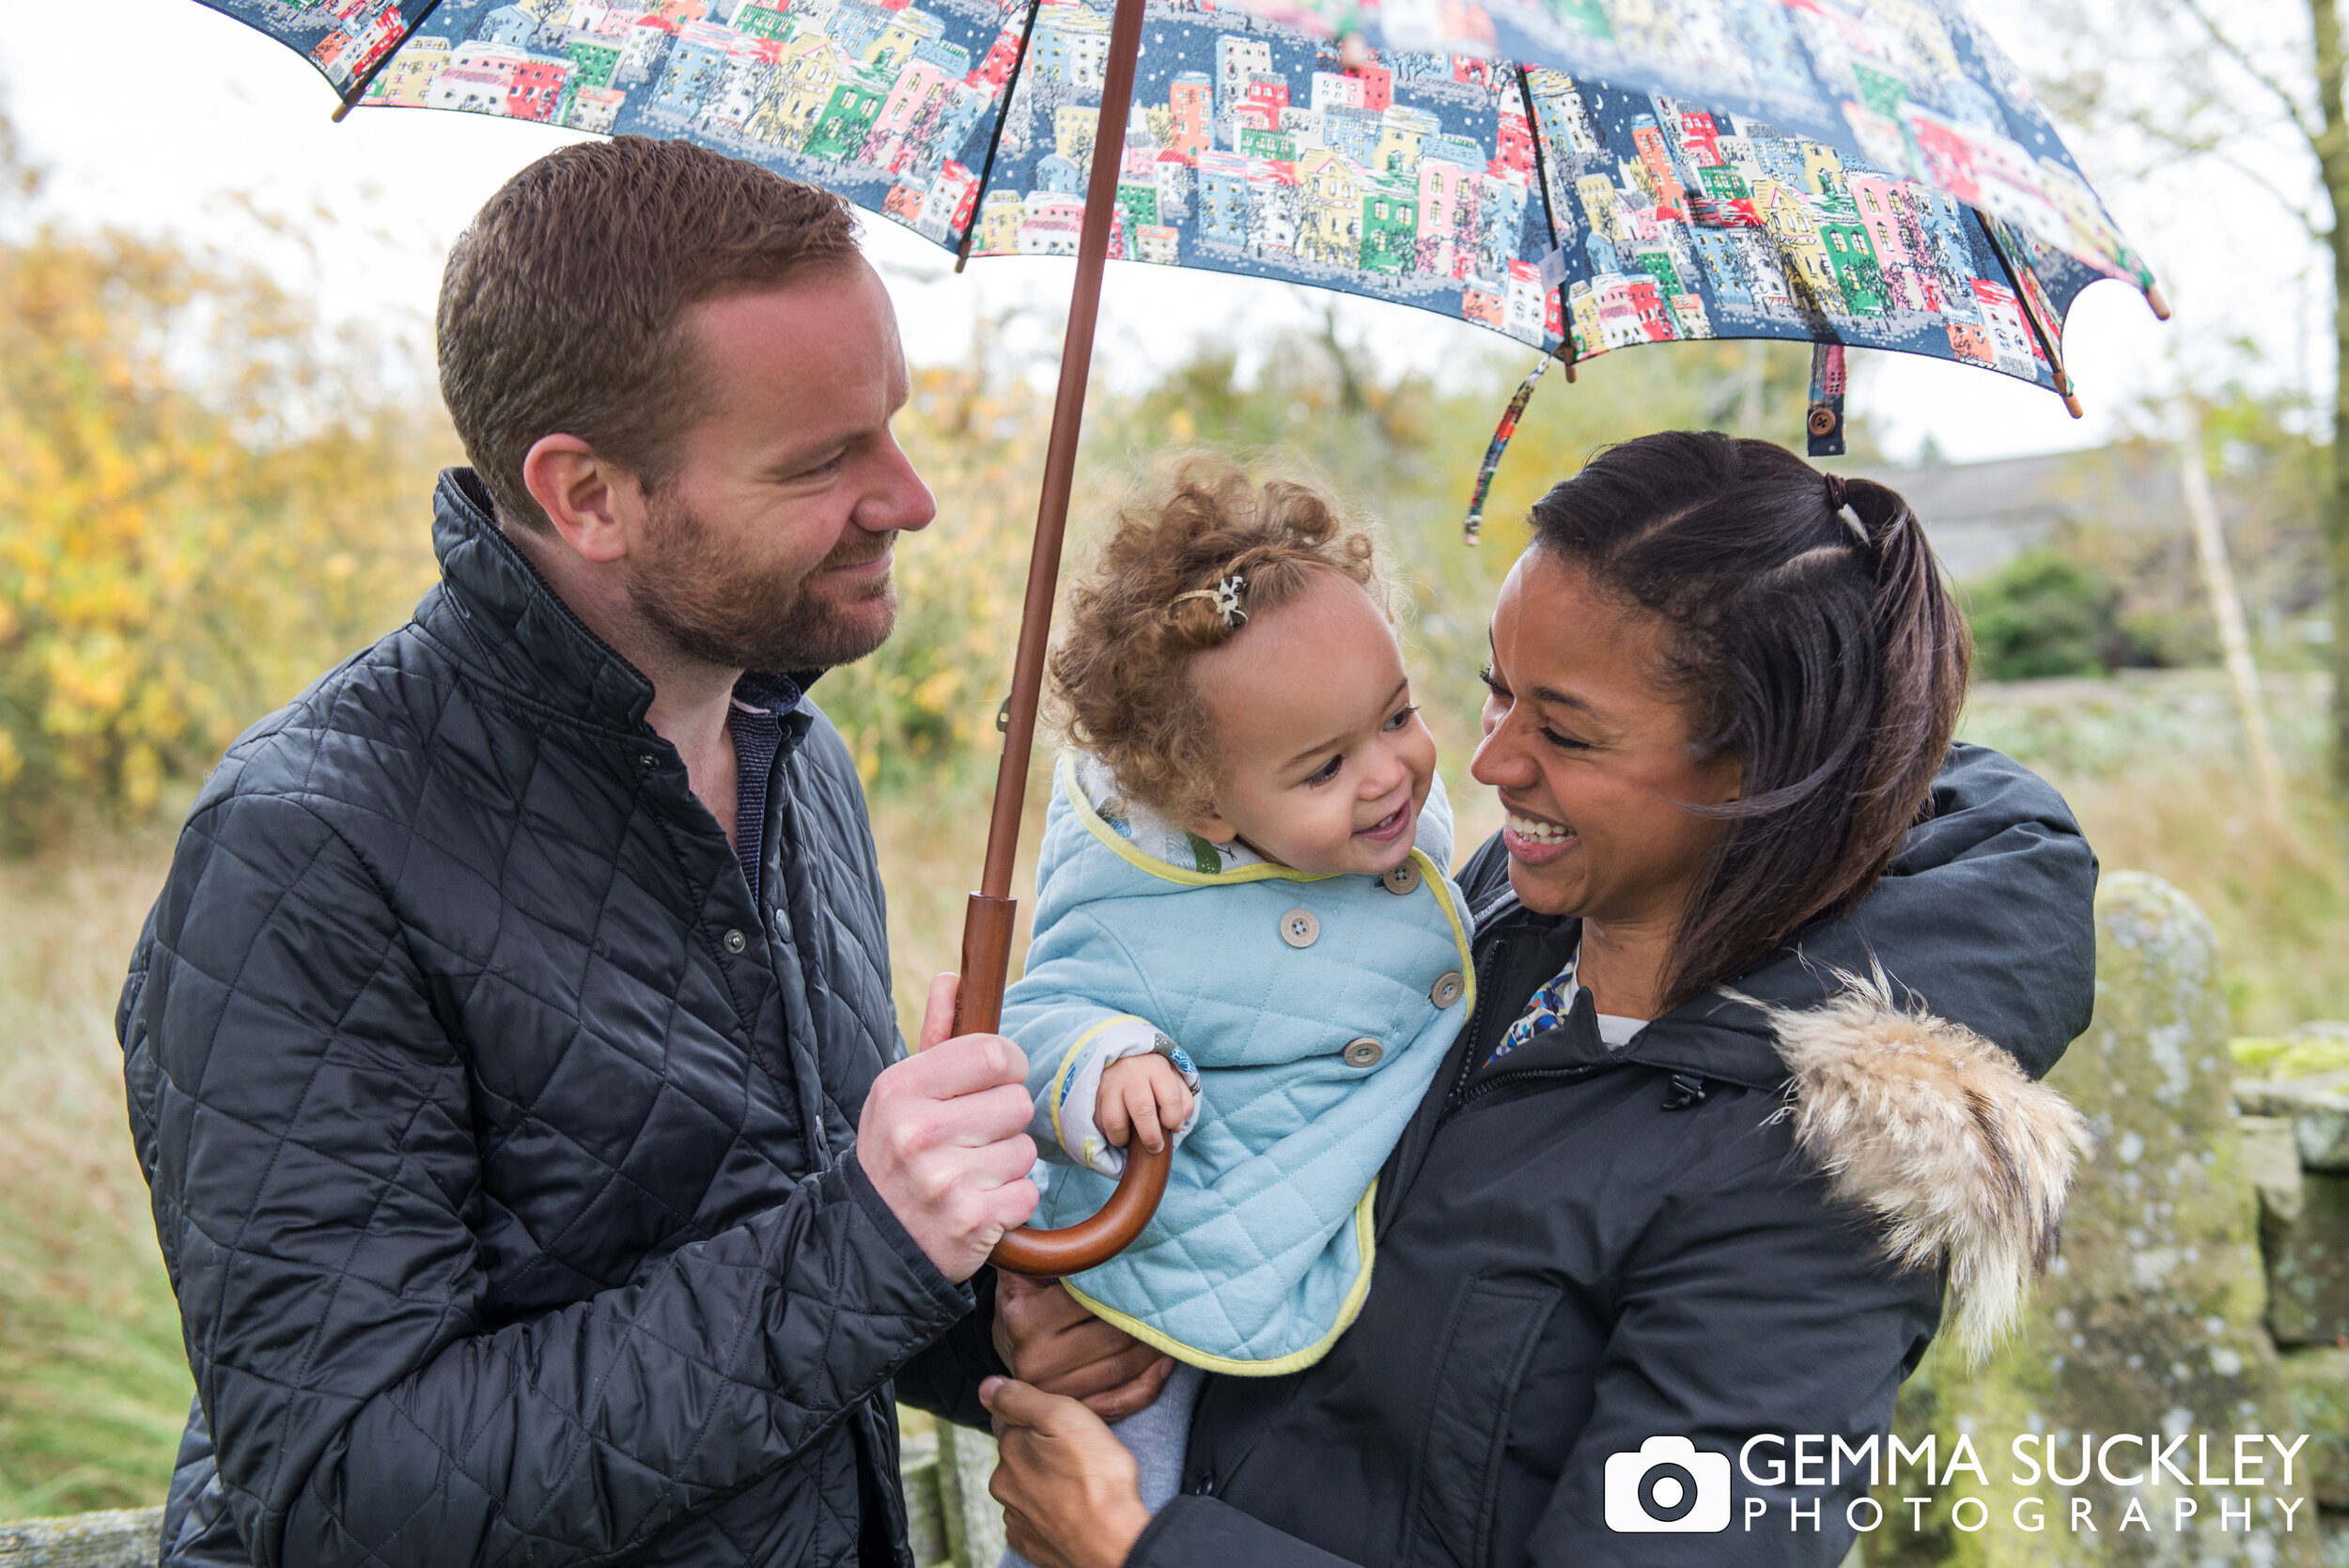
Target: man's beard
{"x": 713, "y": 606}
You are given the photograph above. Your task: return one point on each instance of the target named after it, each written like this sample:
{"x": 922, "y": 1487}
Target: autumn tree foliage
{"x": 204, "y": 502}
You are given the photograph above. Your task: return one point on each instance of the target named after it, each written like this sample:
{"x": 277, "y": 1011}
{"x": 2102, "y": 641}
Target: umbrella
{"x": 1578, "y": 174}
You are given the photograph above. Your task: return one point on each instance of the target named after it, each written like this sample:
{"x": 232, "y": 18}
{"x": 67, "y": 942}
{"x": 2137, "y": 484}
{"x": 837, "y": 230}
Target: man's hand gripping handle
{"x": 978, "y": 1009}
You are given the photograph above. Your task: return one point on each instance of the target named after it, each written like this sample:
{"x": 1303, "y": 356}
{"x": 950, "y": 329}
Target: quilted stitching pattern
{"x": 1253, "y": 1253}
{"x": 503, "y": 1202}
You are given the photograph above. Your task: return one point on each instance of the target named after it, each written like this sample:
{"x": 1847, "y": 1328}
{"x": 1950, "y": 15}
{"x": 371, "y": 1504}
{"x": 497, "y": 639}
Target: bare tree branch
{"x": 2227, "y": 46}
{"x": 2316, "y": 231}
{"x": 2175, "y": 135}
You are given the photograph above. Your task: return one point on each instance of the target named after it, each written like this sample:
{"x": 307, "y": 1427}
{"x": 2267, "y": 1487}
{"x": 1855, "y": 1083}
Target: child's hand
{"x": 1140, "y": 1093}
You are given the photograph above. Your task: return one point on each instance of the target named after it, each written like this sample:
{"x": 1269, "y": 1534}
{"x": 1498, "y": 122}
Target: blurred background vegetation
{"x": 206, "y": 499}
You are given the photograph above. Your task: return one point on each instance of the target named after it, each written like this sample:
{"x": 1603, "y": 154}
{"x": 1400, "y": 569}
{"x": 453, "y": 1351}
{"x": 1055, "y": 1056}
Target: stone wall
{"x": 2199, "y": 1294}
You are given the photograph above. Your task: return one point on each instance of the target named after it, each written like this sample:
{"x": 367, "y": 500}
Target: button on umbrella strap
{"x": 1824, "y": 425}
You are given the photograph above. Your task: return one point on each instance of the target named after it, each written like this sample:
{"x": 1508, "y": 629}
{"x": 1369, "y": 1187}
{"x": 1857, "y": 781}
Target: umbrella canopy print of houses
{"x": 1578, "y": 174}
{"x": 1891, "y": 204}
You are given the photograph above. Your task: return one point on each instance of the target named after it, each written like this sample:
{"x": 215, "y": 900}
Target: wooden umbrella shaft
{"x": 987, "y": 924}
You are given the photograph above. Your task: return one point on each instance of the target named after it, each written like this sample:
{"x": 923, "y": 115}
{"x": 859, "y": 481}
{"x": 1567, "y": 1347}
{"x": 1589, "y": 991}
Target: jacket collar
{"x": 513, "y": 628}
{"x": 1712, "y": 1037}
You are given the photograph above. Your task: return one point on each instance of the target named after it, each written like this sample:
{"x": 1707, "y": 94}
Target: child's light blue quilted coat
{"x": 1314, "y": 1040}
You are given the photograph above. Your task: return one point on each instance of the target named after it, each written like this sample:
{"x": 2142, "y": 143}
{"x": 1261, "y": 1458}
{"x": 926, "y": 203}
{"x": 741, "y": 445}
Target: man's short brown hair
{"x": 561, "y": 309}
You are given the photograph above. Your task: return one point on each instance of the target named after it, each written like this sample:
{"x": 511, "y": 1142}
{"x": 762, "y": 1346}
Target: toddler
{"x": 1244, "y": 938}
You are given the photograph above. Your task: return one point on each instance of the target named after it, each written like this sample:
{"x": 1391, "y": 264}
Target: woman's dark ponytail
{"x": 1924, "y": 646}
{"x": 1828, "y": 659}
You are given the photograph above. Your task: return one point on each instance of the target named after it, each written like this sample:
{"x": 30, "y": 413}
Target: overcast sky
{"x": 193, "y": 111}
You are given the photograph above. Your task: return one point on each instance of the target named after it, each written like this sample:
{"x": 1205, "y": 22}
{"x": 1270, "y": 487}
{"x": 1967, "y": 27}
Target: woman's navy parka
{"x": 1580, "y": 1251}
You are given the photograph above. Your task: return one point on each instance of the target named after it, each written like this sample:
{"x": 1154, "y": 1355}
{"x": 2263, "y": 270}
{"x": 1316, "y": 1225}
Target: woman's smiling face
{"x": 1590, "y": 755}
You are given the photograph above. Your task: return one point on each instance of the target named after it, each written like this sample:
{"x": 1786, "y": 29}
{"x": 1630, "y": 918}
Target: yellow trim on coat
{"x": 1432, "y": 875}
{"x": 1434, "y": 878}
{"x": 1263, "y": 871}
{"x": 1348, "y": 1309}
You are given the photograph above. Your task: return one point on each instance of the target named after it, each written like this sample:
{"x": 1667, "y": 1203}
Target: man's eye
{"x": 1326, "y": 771}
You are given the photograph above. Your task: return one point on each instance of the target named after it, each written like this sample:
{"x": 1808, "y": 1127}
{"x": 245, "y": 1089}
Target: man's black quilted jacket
{"x": 498, "y": 1140}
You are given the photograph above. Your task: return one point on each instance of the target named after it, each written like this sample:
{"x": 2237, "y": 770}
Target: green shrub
{"x": 2045, "y": 614}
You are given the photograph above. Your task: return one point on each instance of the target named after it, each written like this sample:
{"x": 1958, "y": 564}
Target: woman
{"x": 1733, "y": 1106}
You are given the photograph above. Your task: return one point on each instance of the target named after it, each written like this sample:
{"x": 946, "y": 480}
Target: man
{"x": 509, "y": 1052}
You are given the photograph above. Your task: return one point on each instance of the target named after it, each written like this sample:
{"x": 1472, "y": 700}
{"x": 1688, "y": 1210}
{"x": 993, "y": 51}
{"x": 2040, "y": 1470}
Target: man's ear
{"x": 591, "y": 503}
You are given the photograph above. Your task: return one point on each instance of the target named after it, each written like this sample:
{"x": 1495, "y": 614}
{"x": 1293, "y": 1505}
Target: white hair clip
{"x": 1226, "y": 597}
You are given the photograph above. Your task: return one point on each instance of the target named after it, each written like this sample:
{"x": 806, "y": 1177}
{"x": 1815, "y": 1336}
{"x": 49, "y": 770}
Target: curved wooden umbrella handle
{"x": 1090, "y": 1243}
{"x": 987, "y": 931}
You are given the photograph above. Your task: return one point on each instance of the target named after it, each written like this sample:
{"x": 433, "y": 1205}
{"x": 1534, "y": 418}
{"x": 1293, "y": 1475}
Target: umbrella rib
{"x": 1566, "y": 349}
{"x": 995, "y": 138}
{"x": 1534, "y": 134}
{"x": 366, "y": 77}
{"x": 2024, "y": 303}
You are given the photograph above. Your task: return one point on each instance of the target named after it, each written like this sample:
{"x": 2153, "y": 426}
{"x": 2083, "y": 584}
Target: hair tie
{"x": 1226, "y": 597}
{"x": 1835, "y": 496}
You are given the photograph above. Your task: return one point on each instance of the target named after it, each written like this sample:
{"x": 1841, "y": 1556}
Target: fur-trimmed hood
{"x": 1583, "y": 1251}
{"x": 1902, "y": 1044}
{"x": 1962, "y": 1158}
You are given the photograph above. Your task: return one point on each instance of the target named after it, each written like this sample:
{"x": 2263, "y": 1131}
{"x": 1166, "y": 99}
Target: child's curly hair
{"x": 1121, "y": 682}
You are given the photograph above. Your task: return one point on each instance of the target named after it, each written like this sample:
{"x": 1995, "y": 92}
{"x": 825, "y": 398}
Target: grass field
{"x": 92, "y": 1385}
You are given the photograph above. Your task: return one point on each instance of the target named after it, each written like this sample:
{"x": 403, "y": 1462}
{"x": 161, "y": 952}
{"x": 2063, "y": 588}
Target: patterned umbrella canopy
{"x": 1580, "y": 175}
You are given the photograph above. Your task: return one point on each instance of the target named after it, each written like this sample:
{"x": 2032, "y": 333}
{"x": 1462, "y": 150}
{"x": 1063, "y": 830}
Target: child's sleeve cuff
{"x": 1075, "y": 1091}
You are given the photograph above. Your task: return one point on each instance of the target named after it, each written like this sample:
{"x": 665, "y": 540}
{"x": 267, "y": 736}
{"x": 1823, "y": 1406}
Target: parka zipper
{"x": 1475, "y": 1026}
{"x": 1503, "y": 1079}
{"x": 1461, "y": 1095}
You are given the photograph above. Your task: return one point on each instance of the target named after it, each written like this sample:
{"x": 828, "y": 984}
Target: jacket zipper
{"x": 1528, "y": 1076}
{"x": 1475, "y": 1027}
{"x": 1461, "y": 1095}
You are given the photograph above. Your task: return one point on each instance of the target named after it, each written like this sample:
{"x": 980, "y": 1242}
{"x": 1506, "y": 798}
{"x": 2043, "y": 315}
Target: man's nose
{"x": 900, "y": 501}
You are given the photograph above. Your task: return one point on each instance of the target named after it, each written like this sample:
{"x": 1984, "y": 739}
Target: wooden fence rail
{"x": 948, "y": 1514}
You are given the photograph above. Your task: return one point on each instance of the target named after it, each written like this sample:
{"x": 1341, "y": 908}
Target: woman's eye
{"x": 1492, "y": 683}
{"x": 1564, "y": 742}
{"x": 1403, "y": 716}
{"x": 1326, "y": 771}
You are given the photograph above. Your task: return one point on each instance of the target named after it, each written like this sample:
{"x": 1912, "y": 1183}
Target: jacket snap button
{"x": 1446, "y": 992}
{"x": 736, "y": 941}
{"x": 647, "y": 762}
{"x": 1363, "y": 1052}
{"x": 1299, "y": 928}
{"x": 1403, "y": 878}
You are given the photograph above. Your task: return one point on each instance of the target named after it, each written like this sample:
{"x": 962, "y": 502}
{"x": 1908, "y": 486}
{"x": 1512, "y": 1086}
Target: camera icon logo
{"x": 1667, "y": 1489}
